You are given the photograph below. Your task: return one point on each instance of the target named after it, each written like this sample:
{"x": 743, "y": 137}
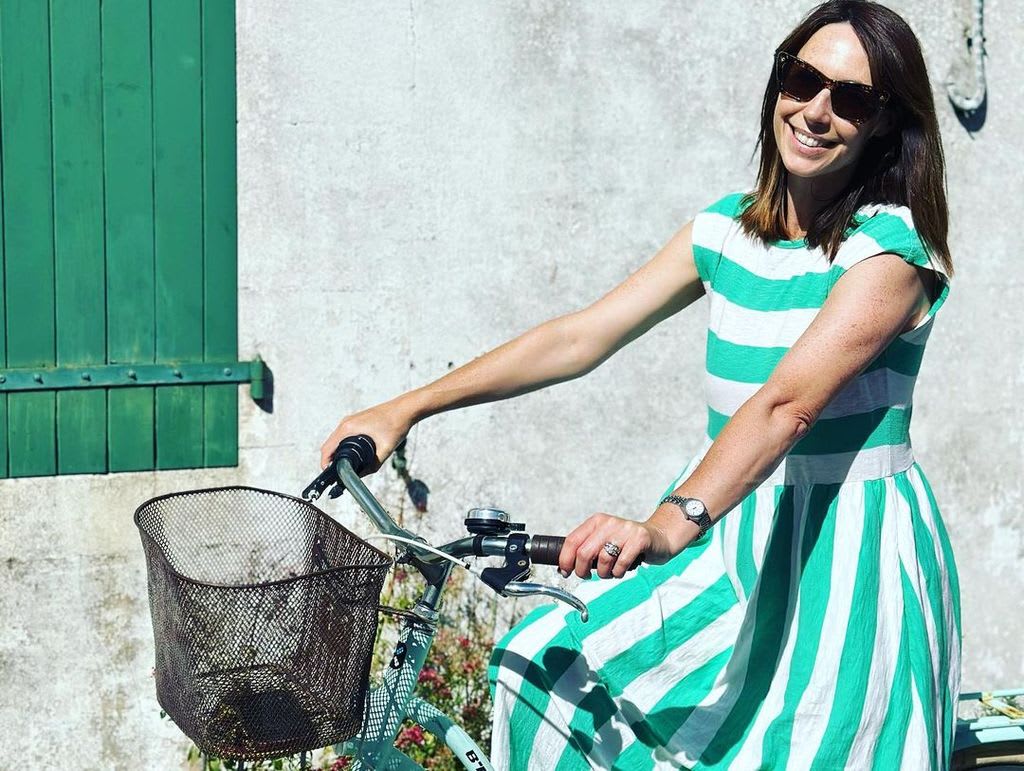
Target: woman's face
{"x": 814, "y": 143}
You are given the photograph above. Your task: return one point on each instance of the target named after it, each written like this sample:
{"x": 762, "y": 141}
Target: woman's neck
{"x": 806, "y": 197}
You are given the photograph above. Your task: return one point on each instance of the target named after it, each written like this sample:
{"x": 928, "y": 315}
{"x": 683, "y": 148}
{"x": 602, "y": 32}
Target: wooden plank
{"x": 220, "y": 217}
{"x": 78, "y": 229}
{"x": 128, "y": 167}
{"x": 28, "y": 228}
{"x": 177, "y": 121}
{"x": 3, "y": 304}
{"x": 3, "y": 434}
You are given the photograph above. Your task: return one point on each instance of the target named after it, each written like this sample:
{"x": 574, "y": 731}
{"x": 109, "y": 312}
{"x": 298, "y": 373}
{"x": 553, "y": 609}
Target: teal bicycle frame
{"x": 393, "y": 700}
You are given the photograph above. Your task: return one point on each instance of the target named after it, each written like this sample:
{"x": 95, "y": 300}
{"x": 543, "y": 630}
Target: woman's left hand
{"x": 586, "y": 543}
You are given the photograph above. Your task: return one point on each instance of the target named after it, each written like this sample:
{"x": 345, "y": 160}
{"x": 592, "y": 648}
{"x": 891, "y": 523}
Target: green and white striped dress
{"x": 817, "y": 625}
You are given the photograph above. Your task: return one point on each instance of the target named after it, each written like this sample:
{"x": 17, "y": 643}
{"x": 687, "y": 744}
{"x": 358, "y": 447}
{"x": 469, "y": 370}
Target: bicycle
{"x": 990, "y": 742}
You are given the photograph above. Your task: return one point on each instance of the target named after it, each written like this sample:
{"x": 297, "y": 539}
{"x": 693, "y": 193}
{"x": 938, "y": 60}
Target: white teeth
{"x": 806, "y": 139}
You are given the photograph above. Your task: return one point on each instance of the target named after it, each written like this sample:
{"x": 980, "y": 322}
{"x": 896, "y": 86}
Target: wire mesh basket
{"x": 264, "y": 618}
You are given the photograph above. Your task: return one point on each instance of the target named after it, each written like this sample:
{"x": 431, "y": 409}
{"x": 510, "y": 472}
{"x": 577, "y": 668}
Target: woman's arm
{"x": 869, "y": 306}
{"x": 558, "y": 350}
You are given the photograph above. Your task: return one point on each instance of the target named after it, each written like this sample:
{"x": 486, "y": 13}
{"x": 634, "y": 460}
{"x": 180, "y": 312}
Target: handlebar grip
{"x": 360, "y": 451}
{"x": 544, "y": 550}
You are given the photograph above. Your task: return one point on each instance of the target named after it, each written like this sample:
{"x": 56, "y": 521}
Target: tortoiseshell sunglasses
{"x": 852, "y": 101}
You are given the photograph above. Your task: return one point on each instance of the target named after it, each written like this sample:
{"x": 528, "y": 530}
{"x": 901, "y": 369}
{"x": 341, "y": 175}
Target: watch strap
{"x": 703, "y": 521}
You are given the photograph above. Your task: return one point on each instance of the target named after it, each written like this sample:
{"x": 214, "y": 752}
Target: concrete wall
{"x": 420, "y": 181}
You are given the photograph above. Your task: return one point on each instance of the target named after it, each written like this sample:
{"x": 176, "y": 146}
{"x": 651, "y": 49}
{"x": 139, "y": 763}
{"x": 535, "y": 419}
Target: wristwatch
{"x": 693, "y": 509}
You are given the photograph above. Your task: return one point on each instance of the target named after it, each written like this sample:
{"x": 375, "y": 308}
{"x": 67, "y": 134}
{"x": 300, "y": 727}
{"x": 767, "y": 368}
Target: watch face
{"x": 694, "y": 507}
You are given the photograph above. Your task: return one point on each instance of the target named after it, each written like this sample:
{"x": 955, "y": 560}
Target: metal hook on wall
{"x": 968, "y": 102}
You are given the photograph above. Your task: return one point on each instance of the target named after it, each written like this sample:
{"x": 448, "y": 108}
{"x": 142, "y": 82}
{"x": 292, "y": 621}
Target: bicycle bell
{"x": 490, "y": 522}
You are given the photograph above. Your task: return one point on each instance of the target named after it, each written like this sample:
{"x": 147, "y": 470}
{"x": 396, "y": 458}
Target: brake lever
{"x": 525, "y": 588}
{"x": 360, "y": 452}
{"x": 328, "y": 477}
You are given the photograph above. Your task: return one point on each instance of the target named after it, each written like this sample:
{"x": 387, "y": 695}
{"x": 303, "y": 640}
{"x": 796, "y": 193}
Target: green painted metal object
{"x": 995, "y": 738}
{"x": 133, "y": 375}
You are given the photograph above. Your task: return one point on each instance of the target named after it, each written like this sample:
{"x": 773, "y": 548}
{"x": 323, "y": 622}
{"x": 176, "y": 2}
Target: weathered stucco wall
{"x": 420, "y": 181}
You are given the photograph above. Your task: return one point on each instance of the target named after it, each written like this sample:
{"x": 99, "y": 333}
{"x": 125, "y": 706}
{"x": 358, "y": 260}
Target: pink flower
{"x": 410, "y": 735}
{"x": 429, "y": 675}
{"x": 341, "y": 763}
{"x": 464, "y": 642}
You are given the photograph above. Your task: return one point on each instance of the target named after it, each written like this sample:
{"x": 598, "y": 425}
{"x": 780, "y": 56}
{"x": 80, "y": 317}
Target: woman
{"x": 817, "y": 626}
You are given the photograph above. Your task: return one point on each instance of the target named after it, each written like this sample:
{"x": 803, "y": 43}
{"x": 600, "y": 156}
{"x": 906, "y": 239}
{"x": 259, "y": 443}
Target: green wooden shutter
{"x": 119, "y": 296}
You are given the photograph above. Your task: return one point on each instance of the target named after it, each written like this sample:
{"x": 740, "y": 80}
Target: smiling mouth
{"x": 809, "y": 141}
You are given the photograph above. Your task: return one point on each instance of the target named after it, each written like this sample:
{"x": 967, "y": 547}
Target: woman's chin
{"x": 807, "y": 168}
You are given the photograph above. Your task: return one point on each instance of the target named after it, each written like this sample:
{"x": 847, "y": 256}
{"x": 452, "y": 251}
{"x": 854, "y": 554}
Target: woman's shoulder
{"x": 880, "y": 216}
{"x": 715, "y": 232}
{"x": 879, "y": 228}
{"x": 714, "y": 223}
{"x": 731, "y": 205}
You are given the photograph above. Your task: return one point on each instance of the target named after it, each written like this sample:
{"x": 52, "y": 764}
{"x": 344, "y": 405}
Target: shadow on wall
{"x": 266, "y": 401}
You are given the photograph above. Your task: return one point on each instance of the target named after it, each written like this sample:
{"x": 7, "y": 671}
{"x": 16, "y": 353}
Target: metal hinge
{"x": 130, "y": 375}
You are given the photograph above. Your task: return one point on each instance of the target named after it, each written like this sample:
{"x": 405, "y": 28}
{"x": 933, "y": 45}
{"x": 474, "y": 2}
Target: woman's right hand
{"x": 387, "y": 424}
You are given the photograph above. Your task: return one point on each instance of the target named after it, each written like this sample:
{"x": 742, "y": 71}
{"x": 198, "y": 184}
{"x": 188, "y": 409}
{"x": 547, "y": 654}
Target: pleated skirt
{"x": 814, "y": 627}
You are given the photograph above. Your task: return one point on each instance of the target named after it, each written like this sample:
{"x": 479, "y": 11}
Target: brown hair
{"x": 904, "y": 166}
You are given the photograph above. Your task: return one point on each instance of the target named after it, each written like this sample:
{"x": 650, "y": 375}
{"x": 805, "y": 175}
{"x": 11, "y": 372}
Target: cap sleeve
{"x": 711, "y": 227}
{"x": 885, "y": 230}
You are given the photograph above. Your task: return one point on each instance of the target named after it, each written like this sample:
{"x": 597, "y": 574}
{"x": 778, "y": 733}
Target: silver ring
{"x": 612, "y": 550}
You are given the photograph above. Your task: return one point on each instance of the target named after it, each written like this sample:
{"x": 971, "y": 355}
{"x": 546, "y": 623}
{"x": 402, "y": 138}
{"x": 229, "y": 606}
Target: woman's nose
{"x": 819, "y": 109}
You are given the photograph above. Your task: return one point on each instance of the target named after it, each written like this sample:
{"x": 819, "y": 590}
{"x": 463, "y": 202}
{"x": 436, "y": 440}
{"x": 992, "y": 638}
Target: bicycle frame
{"x": 393, "y": 701}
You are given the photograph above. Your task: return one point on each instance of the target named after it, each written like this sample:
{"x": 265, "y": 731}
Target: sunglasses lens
{"x": 852, "y": 103}
{"x": 798, "y": 81}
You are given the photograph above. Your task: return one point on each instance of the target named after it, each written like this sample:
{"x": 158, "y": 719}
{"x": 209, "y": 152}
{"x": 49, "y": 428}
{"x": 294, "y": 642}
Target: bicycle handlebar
{"x": 357, "y": 455}
{"x": 360, "y": 455}
{"x": 360, "y": 451}
{"x": 544, "y": 550}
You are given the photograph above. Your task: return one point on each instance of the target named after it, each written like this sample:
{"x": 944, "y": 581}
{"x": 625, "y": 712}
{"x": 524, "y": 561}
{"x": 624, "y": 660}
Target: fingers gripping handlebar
{"x": 545, "y": 549}
{"x": 361, "y": 453}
